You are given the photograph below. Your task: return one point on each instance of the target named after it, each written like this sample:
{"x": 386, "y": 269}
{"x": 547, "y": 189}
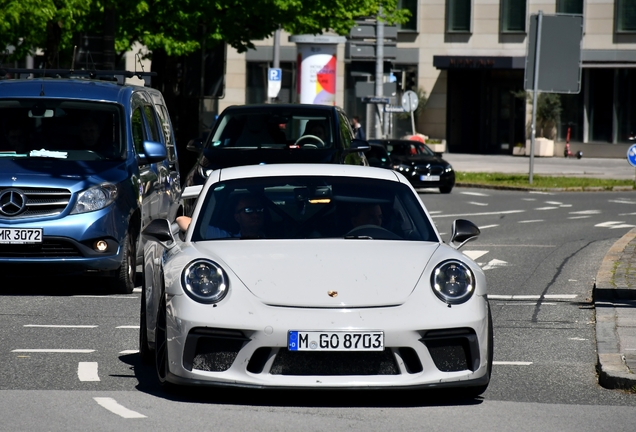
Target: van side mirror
{"x": 153, "y": 152}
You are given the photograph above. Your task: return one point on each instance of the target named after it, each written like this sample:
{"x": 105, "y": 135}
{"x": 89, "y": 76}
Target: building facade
{"x": 469, "y": 57}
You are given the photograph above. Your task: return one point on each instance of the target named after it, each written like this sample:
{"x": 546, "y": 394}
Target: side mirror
{"x": 153, "y": 152}
{"x": 160, "y": 230}
{"x": 462, "y": 232}
{"x": 360, "y": 145}
{"x": 195, "y": 145}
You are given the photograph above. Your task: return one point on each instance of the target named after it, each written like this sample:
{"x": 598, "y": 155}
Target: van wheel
{"x": 127, "y": 275}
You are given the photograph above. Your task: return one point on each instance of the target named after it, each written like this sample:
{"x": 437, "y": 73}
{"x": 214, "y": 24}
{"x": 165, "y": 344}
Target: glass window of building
{"x": 458, "y": 16}
{"x": 574, "y": 7}
{"x": 625, "y": 16}
{"x": 411, "y": 6}
{"x": 513, "y": 16}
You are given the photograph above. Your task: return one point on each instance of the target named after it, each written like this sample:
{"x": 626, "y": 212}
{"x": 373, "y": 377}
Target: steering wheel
{"x": 312, "y": 137}
{"x": 373, "y": 231}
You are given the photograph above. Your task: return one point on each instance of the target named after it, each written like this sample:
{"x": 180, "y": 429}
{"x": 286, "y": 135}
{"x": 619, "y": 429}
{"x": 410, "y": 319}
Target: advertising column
{"x": 316, "y": 82}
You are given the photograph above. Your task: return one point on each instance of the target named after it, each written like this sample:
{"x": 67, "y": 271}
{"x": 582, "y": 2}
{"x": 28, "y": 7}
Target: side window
{"x": 152, "y": 123}
{"x": 346, "y": 131}
{"x": 138, "y": 132}
{"x": 166, "y": 128}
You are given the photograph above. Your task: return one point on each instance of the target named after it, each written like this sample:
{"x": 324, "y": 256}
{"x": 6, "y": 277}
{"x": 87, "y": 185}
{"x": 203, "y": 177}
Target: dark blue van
{"x": 85, "y": 164}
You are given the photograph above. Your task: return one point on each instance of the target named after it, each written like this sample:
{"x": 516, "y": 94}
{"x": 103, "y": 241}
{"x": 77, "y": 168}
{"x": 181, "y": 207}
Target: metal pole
{"x": 537, "y": 52}
{"x": 379, "y": 70}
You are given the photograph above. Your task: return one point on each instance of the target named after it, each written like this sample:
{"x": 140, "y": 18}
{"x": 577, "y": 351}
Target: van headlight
{"x": 95, "y": 198}
{"x": 204, "y": 281}
{"x": 453, "y": 282}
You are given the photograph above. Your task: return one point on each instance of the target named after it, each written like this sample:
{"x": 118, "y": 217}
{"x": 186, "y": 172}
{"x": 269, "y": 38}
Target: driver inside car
{"x": 367, "y": 214}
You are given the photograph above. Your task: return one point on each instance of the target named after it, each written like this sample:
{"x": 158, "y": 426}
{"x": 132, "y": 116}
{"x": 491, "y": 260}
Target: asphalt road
{"x": 69, "y": 359}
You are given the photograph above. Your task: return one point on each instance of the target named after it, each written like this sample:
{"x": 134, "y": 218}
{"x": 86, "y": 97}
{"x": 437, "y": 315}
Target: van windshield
{"x": 60, "y": 129}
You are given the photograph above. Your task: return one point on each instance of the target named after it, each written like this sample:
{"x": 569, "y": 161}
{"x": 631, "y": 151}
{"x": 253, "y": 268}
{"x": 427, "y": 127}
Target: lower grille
{"x": 453, "y": 350}
{"x": 46, "y": 249}
{"x": 335, "y": 363}
{"x": 212, "y": 350}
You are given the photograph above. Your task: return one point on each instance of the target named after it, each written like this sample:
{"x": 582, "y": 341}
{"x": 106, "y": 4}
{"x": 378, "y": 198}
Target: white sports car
{"x": 313, "y": 276}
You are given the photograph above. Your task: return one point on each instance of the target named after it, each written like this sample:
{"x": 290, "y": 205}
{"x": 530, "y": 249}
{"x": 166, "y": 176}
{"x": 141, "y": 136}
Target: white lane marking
{"x": 488, "y": 226}
{"x": 541, "y": 193}
{"x": 106, "y": 297}
{"x": 528, "y": 199}
{"x": 435, "y": 212}
{"x": 512, "y": 363}
{"x": 477, "y": 203}
{"x": 474, "y": 254}
{"x": 137, "y": 290}
{"x": 531, "y": 221}
{"x": 554, "y": 203}
{"x": 560, "y": 296}
{"x": 533, "y": 297}
{"x": 59, "y": 326}
{"x": 586, "y": 212}
{"x": 113, "y": 406}
{"x": 546, "y": 208}
{"x": 87, "y": 371}
{"x": 474, "y": 193}
{"x": 481, "y": 214}
{"x": 71, "y": 351}
{"x": 627, "y": 214}
{"x": 533, "y": 304}
{"x": 577, "y": 339}
{"x": 494, "y": 264}
{"x": 129, "y": 351}
{"x": 579, "y": 217}
{"x": 614, "y": 225}
{"x": 623, "y": 201}
{"x": 128, "y": 327}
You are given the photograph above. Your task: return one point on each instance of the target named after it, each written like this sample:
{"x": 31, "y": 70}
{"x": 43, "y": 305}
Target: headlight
{"x": 402, "y": 168}
{"x": 448, "y": 168}
{"x": 205, "y": 281}
{"x": 95, "y": 198}
{"x": 453, "y": 282}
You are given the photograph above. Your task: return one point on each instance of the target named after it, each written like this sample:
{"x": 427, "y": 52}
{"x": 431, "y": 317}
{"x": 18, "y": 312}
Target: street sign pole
{"x": 537, "y": 54}
{"x": 631, "y": 158}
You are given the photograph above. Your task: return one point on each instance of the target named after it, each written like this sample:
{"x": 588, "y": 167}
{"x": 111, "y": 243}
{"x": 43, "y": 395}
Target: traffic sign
{"x": 274, "y": 81}
{"x": 409, "y": 101}
{"x": 631, "y": 155}
{"x": 376, "y": 100}
{"x": 393, "y": 108}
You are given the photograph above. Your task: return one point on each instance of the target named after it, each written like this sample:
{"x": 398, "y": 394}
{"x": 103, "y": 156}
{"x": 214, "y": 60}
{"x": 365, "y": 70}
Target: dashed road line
{"x": 579, "y": 217}
{"x": 512, "y": 363}
{"x": 135, "y": 351}
{"x": 532, "y": 221}
{"x": 477, "y": 203}
{"x": 128, "y": 327}
{"x": 87, "y": 371}
{"x": 586, "y": 212}
{"x": 474, "y": 193}
{"x": 488, "y": 226}
{"x": 480, "y": 214}
{"x": 532, "y": 297}
{"x": 113, "y": 406}
{"x": 614, "y": 225}
{"x": 59, "y": 326}
{"x": 67, "y": 351}
{"x": 546, "y": 208}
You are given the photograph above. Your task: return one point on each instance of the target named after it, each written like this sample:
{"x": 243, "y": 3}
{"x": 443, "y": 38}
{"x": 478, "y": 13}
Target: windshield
{"x": 312, "y": 207}
{"x": 273, "y": 128}
{"x": 60, "y": 129}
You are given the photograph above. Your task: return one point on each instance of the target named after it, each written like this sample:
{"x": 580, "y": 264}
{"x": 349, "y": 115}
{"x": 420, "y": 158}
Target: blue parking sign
{"x": 631, "y": 155}
{"x": 275, "y": 74}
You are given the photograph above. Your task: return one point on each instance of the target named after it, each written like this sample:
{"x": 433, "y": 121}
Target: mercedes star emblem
{"x": 12, "y": 202}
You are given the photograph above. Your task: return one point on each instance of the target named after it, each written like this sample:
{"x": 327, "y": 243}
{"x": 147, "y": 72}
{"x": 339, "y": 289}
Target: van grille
{"x": 22, "y": 203}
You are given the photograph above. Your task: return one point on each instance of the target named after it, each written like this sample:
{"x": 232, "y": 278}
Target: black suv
{"x": 285, "y": 133}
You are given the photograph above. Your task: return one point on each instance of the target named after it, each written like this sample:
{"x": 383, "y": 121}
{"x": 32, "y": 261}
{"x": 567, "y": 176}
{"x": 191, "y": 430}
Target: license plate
{"x": 335, "y": 341}
{"x": 20, "y": 235}
{"x": 429, "y": 178}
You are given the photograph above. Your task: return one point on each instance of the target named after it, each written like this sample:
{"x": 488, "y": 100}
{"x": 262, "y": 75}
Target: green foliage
{"x": 178, "y": 26}
{"x": 548, "y": 111}
{"x": 538, "y": 181}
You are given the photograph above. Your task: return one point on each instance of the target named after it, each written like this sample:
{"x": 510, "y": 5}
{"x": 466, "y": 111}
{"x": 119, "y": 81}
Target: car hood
{"x": 72, "y": 175}
{"x": 227, "y": 157}
{"x": 324, "y": 273}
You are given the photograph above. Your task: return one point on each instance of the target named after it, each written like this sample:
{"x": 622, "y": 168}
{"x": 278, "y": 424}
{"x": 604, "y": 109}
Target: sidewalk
{"x": 615, "y": 286}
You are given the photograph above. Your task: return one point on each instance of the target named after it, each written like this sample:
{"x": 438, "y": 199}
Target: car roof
{"x": 252, "y": 171}
{"x": 62, "y": 88}
{"x": 268, "y": 107}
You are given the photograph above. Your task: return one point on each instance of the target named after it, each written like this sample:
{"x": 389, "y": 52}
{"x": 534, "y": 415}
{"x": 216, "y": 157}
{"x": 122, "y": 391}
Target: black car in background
{"x": 419, "y": 164}
{"x": 276, "y": 133}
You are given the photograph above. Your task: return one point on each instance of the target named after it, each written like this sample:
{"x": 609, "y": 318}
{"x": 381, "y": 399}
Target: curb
{"x": 613, "y": 372}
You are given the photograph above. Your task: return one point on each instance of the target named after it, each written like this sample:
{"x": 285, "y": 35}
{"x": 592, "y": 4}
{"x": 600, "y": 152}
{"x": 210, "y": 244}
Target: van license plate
{"x": 20, "y": 235}
{"x": 335, "y": 341}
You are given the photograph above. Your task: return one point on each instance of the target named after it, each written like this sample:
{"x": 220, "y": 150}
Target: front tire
{"x": 161, "y": 345}
{"x": 127, "y": 274}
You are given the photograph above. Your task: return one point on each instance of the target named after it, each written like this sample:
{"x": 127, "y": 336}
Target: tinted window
{"x": 307, "y": 207}
{"x": 60, "y": 129}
